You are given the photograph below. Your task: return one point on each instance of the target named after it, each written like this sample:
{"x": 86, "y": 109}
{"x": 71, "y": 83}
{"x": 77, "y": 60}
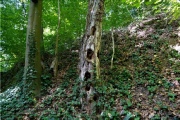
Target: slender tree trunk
{"x": 57, "y": 39}
{"x": 42, "y": 50}
{"x": 112, "y": 37}
{"x": 32, "y": 69}
{"x": 42, "y": 42}
{"x": 89, "y": 54}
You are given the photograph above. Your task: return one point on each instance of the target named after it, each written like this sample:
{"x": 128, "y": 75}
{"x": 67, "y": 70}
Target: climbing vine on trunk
{"x": 32, "y": 69}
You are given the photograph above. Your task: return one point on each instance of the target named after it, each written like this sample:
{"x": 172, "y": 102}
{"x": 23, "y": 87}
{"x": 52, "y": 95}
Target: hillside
{"x": 144, "y": 82}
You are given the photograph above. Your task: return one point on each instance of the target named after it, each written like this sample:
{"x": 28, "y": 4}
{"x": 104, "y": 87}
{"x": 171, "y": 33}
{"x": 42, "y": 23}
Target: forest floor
{"x": 143, "y": 84}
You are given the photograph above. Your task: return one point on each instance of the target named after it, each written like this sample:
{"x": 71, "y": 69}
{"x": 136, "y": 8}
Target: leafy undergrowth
{"x": 143, "y": 83}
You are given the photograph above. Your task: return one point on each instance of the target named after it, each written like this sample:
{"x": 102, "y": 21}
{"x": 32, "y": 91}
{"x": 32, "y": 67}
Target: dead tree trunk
{"x": 89, "y": 54}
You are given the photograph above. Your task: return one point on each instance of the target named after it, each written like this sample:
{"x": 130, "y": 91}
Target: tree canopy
{"x": 73, "y": 14}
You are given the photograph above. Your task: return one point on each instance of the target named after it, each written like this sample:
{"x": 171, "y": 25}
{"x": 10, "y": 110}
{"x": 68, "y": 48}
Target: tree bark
{"x": 112, "y": 37}
{"x": 28, "y": 36}
{"x": 32, "y": 69}
{"x": 89, "y": 54}
{"x": 57, "y": 39}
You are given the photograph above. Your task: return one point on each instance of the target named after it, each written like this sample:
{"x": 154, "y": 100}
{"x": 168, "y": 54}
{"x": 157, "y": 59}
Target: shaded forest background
{"x": 144, "y": 80}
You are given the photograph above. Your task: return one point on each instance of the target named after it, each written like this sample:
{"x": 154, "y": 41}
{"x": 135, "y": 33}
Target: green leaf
{"x": 128, "y": 116}
{"x": 129, "y": 103}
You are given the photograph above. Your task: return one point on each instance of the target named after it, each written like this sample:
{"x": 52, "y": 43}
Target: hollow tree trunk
{"x": 32, "y": 69}
{"x": 89, "y": 53}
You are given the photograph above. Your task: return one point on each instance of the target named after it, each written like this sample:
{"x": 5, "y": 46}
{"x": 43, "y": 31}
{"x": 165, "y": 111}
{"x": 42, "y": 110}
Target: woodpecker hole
{"x": 88, "y": 86}
{"x": 98, "y": 54}
{"x": 88, "y": 36}
{"x": 93, "y": 30}
{"x": 87, "y": 76}
{"x": 90, "y": 100}
{"x": 95, "y": 97}
{"x": 89, "y": 53}
{"x": 35, "y": 1}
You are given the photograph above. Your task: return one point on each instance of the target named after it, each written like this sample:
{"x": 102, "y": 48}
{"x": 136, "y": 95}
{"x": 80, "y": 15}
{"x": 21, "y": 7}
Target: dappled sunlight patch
{"x": 174, "y": 60}
{"x": 140, "y": 44}
{"x": 9, "y": 94}
{"x": 48, "y": 31}
{"x": 176, "y": 53}
{"x": 176, "y": 47}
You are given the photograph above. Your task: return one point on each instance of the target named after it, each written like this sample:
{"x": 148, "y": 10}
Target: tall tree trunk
{"x": 29, "y": 36}
{"x": 57, "y": 38}
{"x": 89, "y": 53}
{"x": 32, "y": 69}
